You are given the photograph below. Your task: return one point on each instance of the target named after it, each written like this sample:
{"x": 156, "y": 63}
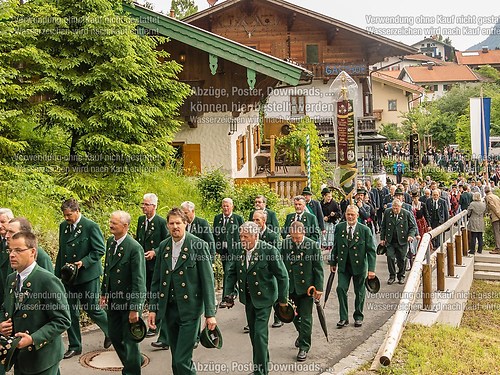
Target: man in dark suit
{"x": 183, "y": 287}
{"x": 302, "y": 258}
{"x": 437, "y": 213}
{"x": 354, "y": 255}
{"x": 273, "y": 239}
{"x": 272, "y": 219}
{"x": 123, "y": 290}
{"x": 261, "y": 276}
{"x": 314, "y": 207}
{"x": 226, "y": 235}
{"x": 151, "y": 230}
{"x": 35, "y": 309}
{"x": 302, "y": 214}
{"x": 21, "y": 224}
{"x": 81, "y": 242}
{"x": 398, "y": 229}
{"x": 198, "y": 226}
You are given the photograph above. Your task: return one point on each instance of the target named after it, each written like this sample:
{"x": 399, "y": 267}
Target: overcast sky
{"x": 422, "y": 17}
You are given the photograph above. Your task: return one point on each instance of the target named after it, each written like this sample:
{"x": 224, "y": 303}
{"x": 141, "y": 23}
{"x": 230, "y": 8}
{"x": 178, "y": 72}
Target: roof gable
{"x": 218, "y": 46}
{"x": 371, "y": 41}
{"x": 443, "y": 73}
{"x": 398, "y": 83}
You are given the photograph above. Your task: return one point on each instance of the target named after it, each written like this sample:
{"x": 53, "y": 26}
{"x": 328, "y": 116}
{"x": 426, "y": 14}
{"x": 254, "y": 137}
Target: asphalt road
{"x": 236, "y": 354}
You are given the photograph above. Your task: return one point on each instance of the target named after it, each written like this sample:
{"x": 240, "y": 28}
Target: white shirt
{"x": 118, "y": 242}
{"x": 352, "y": 230}
{"x": 26, "y": 272}
{"x": 176, "y": 250}
{"x": 249, "y": 254}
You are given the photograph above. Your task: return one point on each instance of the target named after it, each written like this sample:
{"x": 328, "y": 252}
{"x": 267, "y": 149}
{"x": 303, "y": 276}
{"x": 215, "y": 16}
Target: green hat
{"x": 398, "y": 192}
{"x": 325, "y": 191}
{"x": 372, "y": 285}
{"x": 361, "y": 191}
{"x": 69, "y": 273}
{"x": 286, "y": 313}
{"x": 138, "y": 330}
{"x": 211, "y": 339}
{"x": 307, "y": 191}
{"x": 8, "y": 350}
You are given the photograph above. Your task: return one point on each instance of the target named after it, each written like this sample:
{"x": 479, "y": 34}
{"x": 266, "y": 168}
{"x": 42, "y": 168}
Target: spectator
{"x": 475, "y": 212}
{"x": 493, "y": 207}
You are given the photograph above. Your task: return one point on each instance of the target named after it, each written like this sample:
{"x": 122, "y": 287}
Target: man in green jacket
{"x": 302, "y": 214}
{"x": 302, "y": 258}
{"x": 272, "y": 220}
{"x": 182, "y": 290}
{"x": 81, "y": 242}
{"x": 151, "y": 230}
{"x": 397, "y": 230}
{"x": 226, "y": 235}
{"x": 261, "y": 277}
{"x": 198, "y": 226}
{"x": 354, "y": 255}
{"x": 35, "y": 309}
{"x": 123, "y": 290}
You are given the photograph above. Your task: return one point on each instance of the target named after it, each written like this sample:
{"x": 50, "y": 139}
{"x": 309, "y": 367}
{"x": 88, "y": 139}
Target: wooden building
{"x": 321, "y": 44}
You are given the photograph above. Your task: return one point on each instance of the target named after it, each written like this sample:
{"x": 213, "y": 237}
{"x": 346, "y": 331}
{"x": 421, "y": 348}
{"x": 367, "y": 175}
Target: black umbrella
{"x": 320, "y": 311}
{"x": 329, "y": 285}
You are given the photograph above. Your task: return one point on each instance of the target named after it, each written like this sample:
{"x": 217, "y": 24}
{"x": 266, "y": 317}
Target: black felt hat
{"x": 69, "y": 273}
{"x": 372, "y": 285}
{"x": 8, "y": 350}
{"x": 284, "y": 313}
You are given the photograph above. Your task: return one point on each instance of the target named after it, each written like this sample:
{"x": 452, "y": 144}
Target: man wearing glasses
{"x": 36, "y": 311}
{"x": 151, "y": 230}
{"x": 81, "y": 242}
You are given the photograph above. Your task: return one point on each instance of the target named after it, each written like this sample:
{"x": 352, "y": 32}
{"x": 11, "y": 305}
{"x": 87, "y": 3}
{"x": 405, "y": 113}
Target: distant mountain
{"x": 492, "y": 41}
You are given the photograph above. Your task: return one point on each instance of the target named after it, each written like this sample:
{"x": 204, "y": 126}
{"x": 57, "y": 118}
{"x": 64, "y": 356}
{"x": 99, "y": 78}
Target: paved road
{"x": 235, "y": 356}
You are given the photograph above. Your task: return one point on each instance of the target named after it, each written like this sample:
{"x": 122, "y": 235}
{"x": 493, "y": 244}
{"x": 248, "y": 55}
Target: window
{"x": 392, "y": 105}
{"x": 241, "y": 152}
{"x": 312, "y": 56}
{"x": 297, "y": 104}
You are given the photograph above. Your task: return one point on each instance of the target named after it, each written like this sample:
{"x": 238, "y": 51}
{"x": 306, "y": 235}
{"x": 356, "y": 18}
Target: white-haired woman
{"x": 475, "y": 212}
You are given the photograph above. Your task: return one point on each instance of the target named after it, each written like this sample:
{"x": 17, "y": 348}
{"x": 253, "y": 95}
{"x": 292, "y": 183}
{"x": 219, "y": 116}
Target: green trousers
{"x": 126, "y": 348}
{"x": 396, "y": 254}
{"x": 303, "y": 319}
{"x": 182, "y": 336}
{"x": 344, "y": 279}
{"x": 86, "y": 297}
{"x": 258, "y": 320}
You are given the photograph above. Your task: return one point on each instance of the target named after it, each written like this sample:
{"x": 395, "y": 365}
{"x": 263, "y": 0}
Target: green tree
{"x": 83, "y": 68}
{"x": 489, "y": 72}
{"x": 296, "y": 140}
{"x": 392, "y": 132}
{"x": 183, "y": 8}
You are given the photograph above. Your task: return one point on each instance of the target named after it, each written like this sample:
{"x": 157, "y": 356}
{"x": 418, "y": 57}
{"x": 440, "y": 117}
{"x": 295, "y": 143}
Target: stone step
{"x": 486, "y": 257}
{"x": 483, "y": 266}
{"x": 484, "y": 275}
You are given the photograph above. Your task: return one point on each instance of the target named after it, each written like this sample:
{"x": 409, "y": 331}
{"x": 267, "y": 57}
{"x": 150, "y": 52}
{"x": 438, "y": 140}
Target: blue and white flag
{"x": 480, "y": 127}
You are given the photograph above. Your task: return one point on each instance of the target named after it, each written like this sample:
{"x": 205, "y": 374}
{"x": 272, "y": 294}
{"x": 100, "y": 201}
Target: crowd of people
{"x": 167, "y": 267}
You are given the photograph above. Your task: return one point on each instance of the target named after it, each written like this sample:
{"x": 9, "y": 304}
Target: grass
{"x": 473, "y": 348}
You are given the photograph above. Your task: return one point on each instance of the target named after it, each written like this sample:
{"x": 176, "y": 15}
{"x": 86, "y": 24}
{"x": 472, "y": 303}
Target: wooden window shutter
{"x": 238, "y": 153}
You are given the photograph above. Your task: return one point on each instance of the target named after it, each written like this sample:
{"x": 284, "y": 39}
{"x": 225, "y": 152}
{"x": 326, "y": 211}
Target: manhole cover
{"x": 105, "y": 360}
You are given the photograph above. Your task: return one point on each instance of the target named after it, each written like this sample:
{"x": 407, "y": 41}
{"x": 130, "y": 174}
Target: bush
{"x": 213, "y": 187}
{"x": 244, "y": 197}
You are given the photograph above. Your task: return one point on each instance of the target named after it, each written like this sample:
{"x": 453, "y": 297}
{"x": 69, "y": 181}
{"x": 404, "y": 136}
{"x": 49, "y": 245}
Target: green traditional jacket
{"x": 85, "y": 244}
{"x": 151, "y": 238}
{"x": 402, "y": 226}
{"x": 310, "y": 225}
{"x": 361, "y": 249}
{"x": 228, "y": 234}
{"x": 304, "y": 265}
{"x": 124, "y": 281}
{"x": 41, "y": 309}
{"x": 265, "y": 277}
{"x": 271, "y": 221}
{"x": 190, "y": 284}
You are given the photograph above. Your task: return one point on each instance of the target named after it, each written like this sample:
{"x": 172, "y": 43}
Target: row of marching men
{"x": 169, "y": 264}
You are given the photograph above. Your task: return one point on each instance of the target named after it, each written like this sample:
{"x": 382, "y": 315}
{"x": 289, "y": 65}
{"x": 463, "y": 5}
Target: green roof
{"x": 216, "y": 45}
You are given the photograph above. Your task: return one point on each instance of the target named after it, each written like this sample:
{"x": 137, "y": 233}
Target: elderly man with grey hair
{"x": 226, "y": 235}
{"x": 302, "y": 214}
{"x": 475, "y": 212}
{"x": 261, "y": 277}
{"x": 123, "y": 290}
{"x": 398, "y": 229}
{"x": 151, "y": 230}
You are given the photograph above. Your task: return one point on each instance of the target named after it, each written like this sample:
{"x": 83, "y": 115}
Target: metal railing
{"x": 422, "y": 265}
